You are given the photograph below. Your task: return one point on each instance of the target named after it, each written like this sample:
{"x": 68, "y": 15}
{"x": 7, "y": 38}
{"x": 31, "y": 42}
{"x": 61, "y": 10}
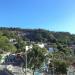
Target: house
{"x": 13, "y": 41}
{"x": 14, "y": 59}
{"x": 41, "y": 45}
{"x": 71, "y": 70}
{"x": 30, "y": 46}
{"x": 50, "y": 49}
{"x": 73, "y": 49}
{"x": 4, "y": 57}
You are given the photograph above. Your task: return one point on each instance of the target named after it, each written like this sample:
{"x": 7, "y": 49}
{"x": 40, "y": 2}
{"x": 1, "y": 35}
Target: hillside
{"x": 62, "y": 43}
{"x": 39, "y": 35}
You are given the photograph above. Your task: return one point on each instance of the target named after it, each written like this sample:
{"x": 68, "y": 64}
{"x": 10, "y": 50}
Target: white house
{"x": 3, "y": 57}
{"x": 13, "y": 41}
{"x": 41, "y": 45}
{"x": 71, "y": 70}
{"x": 29, "y": 47}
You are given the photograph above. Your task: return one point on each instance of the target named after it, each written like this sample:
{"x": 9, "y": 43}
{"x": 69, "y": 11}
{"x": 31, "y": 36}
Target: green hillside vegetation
{"x": 39, "y": 35}
{"x": 35, "y": 35}
{"x": 6, "y": 45}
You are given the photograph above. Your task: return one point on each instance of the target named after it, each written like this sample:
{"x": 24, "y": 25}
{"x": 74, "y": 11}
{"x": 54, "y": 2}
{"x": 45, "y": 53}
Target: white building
{"x": 71, "y": 70}
{"x": 41, "y": 45}
{"x": 29, "y": 47}
{"x": 3, "y": 57}
{"x": 13, "y": 41}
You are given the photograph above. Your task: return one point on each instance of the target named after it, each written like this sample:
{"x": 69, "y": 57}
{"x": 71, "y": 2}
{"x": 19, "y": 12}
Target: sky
{"x": 53, "y": 15}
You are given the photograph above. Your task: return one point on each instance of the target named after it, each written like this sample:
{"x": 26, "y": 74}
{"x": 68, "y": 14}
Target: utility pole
{"x": 53, "y": 61}
{"x": 26, "y": 60}
{"x": 26, "y": 64}
{"x": 53, "y": 65}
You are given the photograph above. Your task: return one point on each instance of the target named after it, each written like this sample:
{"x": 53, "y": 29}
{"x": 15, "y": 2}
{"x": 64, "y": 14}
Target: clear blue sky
{"x": 54, "y": 15}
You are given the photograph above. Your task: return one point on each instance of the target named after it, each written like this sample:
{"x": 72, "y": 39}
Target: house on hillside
{"x": 41, "y": 45}
{"x": 50, "y": 47}
{"x": 4, "y": 57}
{"x": 13, "y": 41}
{"x": 71, "y": 69}
{"x": 14, "y": 59}
{"x": 30, "y": 46}
{"x": 73, "y": 49}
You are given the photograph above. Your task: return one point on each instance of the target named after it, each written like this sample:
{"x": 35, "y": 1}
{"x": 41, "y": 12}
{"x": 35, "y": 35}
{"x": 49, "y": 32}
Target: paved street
{"x": 19, "y": 71}
{"x": 15, "y": 70}
{"x": 4, "y": 72}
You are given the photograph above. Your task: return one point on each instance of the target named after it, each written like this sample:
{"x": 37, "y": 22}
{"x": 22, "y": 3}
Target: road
{"x": 4, "y": 72}
{"x": 16, "y": 70}
{"x": 19, "y": 71}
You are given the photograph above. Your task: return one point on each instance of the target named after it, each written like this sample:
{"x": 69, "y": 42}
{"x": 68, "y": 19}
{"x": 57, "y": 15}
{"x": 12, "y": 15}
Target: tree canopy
{"x": 6, "y": 45}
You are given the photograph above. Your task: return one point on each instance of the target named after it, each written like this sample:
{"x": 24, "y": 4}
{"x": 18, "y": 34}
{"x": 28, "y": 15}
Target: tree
{"x": 5, "y": 45}
{"x": 61, "y": 60}
{"x": 36, "y": 57}
{"x": 60, "y": 67}
{"x": 20, "y": 45}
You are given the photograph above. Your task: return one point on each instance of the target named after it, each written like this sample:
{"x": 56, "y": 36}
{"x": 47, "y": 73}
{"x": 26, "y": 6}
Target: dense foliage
{"x": 6, "y": 45}
{"x": 36, "y": 35}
